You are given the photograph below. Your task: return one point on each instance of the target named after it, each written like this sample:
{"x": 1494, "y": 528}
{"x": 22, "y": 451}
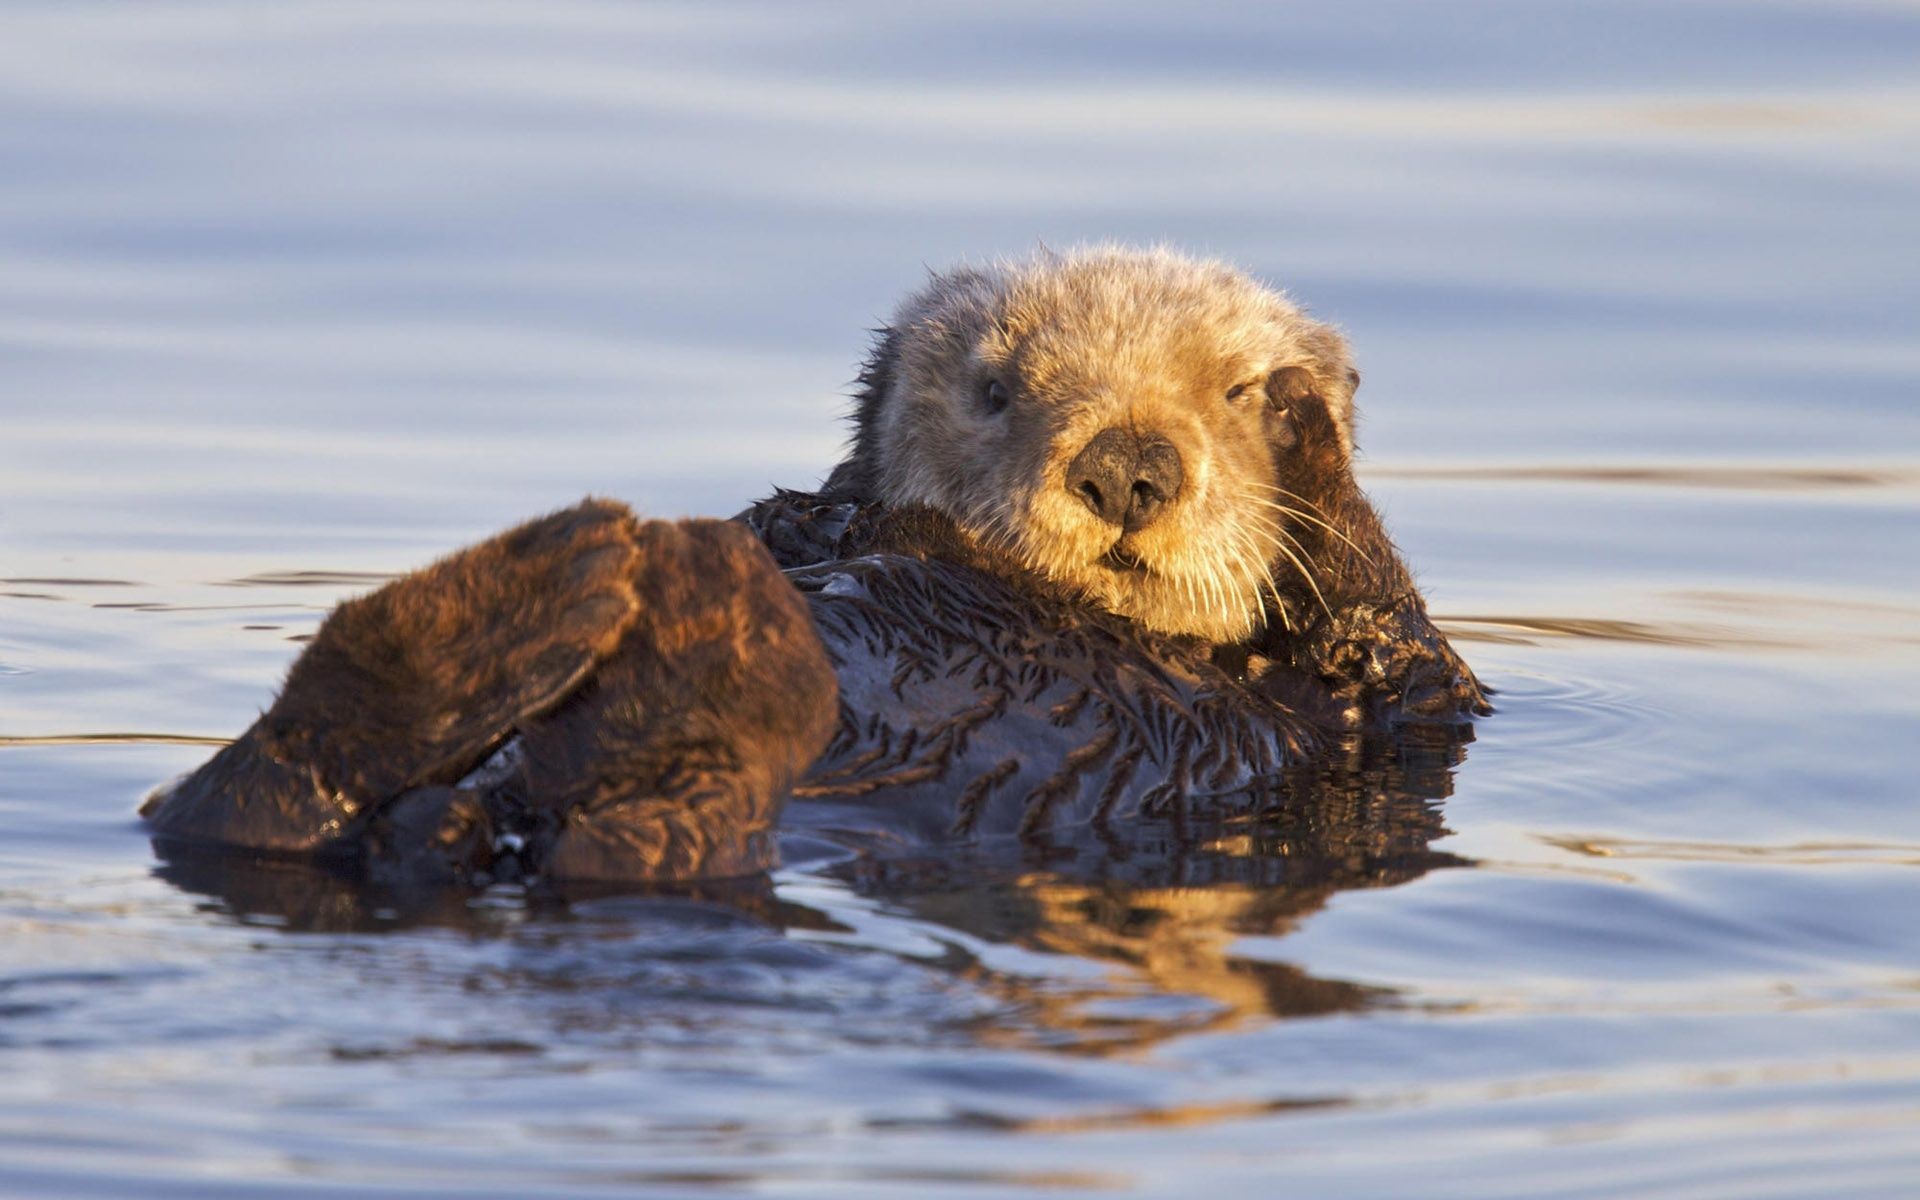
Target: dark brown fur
{"x": 408, "y": 686}
{"x": 668, "y": 686}
{"x": 1364, "y": 632}
{"x": 1345, "y": 632}
{"x": 703, "y": 703}
{"x": 676, "y": 757}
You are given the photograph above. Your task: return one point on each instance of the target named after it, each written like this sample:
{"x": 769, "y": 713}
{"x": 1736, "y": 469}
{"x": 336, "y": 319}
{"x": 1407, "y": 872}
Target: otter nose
{"x": 1126, "y": 480}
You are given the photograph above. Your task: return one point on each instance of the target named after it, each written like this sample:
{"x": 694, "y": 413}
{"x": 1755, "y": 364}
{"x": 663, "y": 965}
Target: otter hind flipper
{"x": 675, "y": 760}
{"x": 414, "y": 683}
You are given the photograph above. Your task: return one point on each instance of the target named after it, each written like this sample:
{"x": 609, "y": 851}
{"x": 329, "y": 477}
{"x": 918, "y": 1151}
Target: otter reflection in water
{"x": 1165, "y": 913}
{"x": 1095, "y": 566}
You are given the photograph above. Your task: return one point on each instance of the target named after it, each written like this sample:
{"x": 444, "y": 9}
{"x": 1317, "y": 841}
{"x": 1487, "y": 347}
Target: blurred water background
{"x": 293, "y": 296}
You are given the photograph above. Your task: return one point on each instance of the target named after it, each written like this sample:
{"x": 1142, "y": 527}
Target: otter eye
{"x": 994, "y": 396}
{"x": 1243, "y": 391}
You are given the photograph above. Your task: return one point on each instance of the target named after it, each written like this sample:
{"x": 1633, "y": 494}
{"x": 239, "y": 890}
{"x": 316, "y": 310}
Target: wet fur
{"x": 1106, "y": 337}
{"x": 1272, "y": 551}
{"x": 663, "y": 678}
{"x": 412, "y": 684}
{"x": 667, "y": 686}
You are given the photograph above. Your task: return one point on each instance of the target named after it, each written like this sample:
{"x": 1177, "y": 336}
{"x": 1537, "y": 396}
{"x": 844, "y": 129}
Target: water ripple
{"x": 1540, "y": 713}
{"x": 1731, "y": 477}
{"x": 1793, "y": 854}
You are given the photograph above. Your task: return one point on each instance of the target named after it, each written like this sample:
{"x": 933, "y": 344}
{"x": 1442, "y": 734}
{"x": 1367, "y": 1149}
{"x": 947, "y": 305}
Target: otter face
{"x": 1120, "y": 421}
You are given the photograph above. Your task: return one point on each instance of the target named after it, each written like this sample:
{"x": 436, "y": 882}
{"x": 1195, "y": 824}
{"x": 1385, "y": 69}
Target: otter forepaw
{"x": 706, "y": 828}
{"x": 429, "y": 835}
{"x": 1390, "y": 663}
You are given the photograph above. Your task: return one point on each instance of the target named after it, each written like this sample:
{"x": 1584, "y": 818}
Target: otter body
{"x": 1096, "y": 554}
{"x": 1045, "y": 714}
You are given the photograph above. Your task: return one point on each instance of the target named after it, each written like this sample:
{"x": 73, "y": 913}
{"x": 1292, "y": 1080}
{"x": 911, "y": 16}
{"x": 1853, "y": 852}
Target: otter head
{"x": 1125, "y": 423}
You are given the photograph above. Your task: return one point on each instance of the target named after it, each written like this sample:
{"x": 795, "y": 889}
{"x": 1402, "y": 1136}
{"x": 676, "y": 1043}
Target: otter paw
{"x": 429, "y": 835}
{"x": 679, "y": 834}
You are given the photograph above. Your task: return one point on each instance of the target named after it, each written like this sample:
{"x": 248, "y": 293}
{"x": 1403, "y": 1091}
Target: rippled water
{"x": 295, "y": 296}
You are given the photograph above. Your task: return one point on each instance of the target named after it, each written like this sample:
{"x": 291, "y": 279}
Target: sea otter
{"x": 1095, "y": 554}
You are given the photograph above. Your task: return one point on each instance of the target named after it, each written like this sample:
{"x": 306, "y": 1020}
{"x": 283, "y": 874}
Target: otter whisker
{"x": 1311, "y": 519}
{"x": 1239, "y": 567}
{"x": 1280, "y": 604}
{"x": 1274, "y": 487}
{"x": 1202, "y": 588}
{"x": 1321, "y": 521}
{"x": 1000, "y": 527}
{"x": 1283, "y": 532}
{"x": 1305, "y": 574}
{"x": 1243, "y": 549}
{"x": 1292, "y": 539}
{"x": 1254, "y": 560}
{"x": 1205, "y": 588}
{"x": 1223, "y": 593}
{"x": 1263, "y": 563}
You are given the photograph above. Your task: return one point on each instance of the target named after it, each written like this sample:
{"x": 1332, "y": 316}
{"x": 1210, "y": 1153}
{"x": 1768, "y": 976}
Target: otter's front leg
{"x": 674, "y": 761}
{"x": 410, "y": 686}
{"x": 1367, "y": 637}
{"x": 1353, "y": 617}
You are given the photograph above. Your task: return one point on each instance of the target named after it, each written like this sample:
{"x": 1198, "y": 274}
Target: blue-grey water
{"x": 293, "y": 296}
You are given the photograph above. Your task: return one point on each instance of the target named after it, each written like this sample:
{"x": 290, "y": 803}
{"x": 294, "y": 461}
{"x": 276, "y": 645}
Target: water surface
{"x": 296, "y": 297}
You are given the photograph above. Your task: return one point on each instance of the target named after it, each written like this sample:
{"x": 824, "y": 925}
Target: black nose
{"x": 1126, "y": 480}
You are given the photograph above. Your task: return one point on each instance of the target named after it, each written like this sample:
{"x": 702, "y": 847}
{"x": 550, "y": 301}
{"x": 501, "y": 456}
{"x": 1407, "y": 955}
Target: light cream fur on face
{"x": 1081, "y": 341}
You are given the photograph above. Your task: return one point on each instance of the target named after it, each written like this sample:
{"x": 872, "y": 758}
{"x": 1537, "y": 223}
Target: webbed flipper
{"x": 674, "y": 762}
{"x": 413, "y": 684}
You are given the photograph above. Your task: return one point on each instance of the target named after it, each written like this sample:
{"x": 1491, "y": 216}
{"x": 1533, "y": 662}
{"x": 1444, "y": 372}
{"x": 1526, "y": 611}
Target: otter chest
{"x": 970, "y": 709}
